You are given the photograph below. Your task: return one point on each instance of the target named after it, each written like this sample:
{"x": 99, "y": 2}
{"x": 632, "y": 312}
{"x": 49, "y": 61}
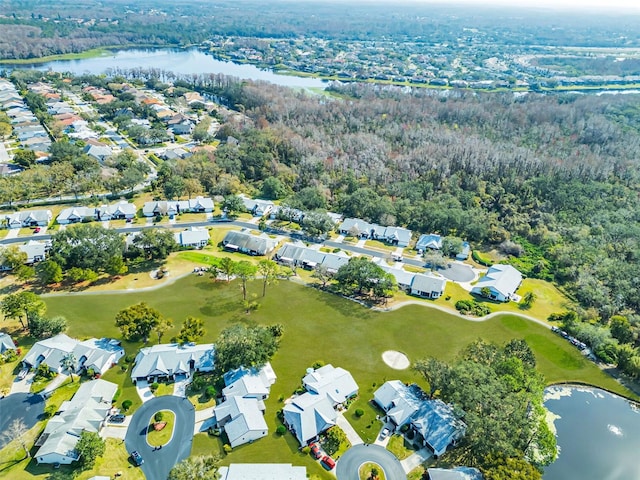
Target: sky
{"x": 612, "y": 6}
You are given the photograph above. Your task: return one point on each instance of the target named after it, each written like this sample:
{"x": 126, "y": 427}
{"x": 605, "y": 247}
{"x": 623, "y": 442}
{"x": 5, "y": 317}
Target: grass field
{"x": 318, "y": 326}
{"x": 367, "y": 468}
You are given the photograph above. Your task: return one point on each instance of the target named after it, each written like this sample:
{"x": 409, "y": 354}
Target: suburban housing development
{"x": 172, "y": 361}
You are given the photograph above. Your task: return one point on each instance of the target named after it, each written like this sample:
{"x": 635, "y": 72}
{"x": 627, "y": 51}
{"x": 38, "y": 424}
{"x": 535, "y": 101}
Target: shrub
{"x": 158, "y": 416}
{"x": 404, "y": 428}
{"x": 281, "y": 429}
{"x": 359, "y": 412}
{"x": 479, "y": 258}
{"x": 281, "y": 398}
{"x": 211, "y": 391}
{"x": 154, "y": 386}
{"x": 317, "y": 364}
{"x": 306, "y": 450}
{"x": 227, "y": 448}
{"x": 129, "y": 358}
{"x": 126, "y": 405}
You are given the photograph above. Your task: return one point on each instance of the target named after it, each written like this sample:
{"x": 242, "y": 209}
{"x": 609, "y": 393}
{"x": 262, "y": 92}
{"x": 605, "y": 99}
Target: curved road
{"x": 26, "y": 407}
{"x": 157, "y": 464}
{"x": 350, "y": 462}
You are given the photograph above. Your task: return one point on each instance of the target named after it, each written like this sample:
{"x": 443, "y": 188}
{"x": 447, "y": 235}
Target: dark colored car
{"x": 117, "y": 418}
{"x": 137, "y": 458}
{"x": 329, "y": 462}
{"x": 315, "y": 451}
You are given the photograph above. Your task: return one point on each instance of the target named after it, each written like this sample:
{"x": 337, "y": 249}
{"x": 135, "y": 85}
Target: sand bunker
{"x": 396, "y": 360}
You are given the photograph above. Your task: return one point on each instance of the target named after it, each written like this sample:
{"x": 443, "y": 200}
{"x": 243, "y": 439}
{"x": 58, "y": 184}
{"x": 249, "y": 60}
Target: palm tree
{"x": 68, "y": 363}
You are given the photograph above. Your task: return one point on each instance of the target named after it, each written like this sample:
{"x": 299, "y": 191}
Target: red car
{"x": 329, "y": 462}
{"x": 36, "y": 230}
{"x": 315, "y": 451}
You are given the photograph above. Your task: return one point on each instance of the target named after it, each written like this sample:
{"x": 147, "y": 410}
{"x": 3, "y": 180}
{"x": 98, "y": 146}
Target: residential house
{"x": 465, "y": 252}
{"x": 36, "y": 251}
{"x": 283, "y": 212}
{"x": 243, "y": 241}
{"x": 175, "y": 207}
{"x": 432, "y": 241}
{"x": 403, "y": 278}
{"x": 96, "y": 354}
{"x": 194, "y": 237}
{"x": 359, "y": 228}
{"x": 85, "y": 412}
{"x": 262, "y": 471}
{"x": 175, "y": 154}
{"x": 428, "y": 285}
{"x": 502, "y": 281}
{"x": 76, "y": 215}
{"x": 457, "y": 473}
{"x": 183, "y": 128}
{"x": 97, "y": 150}
{"x": 172, "y": 361}
{"x": 121, "y": 210}
{"x": 397, "y": 236}
{"x": 6, "y": 342}
{"x": 242, "y": 420}
{"x": 200, "y": 205}
{"x": 355, "y": 227}
{"x": 299, "y": 255}
{"x": 249, "y": 382}
{"x": 434, "y": 422}
{"x": 308, "y": 415}
{"x": 29, "y": 218}
{"x": 336, "y": 384}
{"x": 257, "y": 207}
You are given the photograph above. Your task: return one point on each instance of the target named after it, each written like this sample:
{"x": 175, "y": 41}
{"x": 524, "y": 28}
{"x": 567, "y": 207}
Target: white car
{"x": 385, "y": 433}
{"x": 23, "y": 373}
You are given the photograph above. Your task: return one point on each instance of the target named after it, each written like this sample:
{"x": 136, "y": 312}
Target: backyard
{"x": 317, "y": 327}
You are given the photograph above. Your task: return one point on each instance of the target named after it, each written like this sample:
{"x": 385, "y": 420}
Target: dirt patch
{"x": 396, "y": 360}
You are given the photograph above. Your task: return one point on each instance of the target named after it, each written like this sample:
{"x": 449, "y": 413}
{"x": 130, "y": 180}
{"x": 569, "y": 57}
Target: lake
{"x": 598, "y": 435}
{"x": 176, "y": 60}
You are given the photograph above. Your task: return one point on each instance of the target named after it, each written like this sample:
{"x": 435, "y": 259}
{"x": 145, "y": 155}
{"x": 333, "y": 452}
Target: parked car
{"x": 385, "y": 432}
{"x": 137, "y": 458}
{"x": 328, "y": 462}
{"x": 36, "y": 230}
{"x": 119, "y": 418}
{"x": 315, "y": 451}
{"x": 23, "y": 373}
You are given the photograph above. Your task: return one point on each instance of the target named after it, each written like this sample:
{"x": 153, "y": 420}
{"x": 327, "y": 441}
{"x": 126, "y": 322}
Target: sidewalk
{"x": 349, "y": 431}
{"x": 56, "y": 382}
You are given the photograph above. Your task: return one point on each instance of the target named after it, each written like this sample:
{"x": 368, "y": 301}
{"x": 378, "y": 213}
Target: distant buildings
{"x": 245, "y": 242}
{"x": 193, "y": 237}
{"x": 360, "y": 228}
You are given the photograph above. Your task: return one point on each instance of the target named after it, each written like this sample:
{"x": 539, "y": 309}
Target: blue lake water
{"x": 598, "y": 435}
{"x": 190, "y": 61}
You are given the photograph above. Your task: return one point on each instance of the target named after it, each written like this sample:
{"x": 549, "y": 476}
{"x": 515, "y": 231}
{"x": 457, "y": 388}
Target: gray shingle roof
{"x": 6, "y": 342}
{"x": 336, "y": 383}
{"x": 172, "y": 358}
{"x": 262, "y": 471}
{"x": 502, "y": 278}
{"x": 309, "y": 415}
{"x": 246, "y": 242}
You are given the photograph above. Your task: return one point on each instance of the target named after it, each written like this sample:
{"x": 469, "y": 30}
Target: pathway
{"x": 55, "y": 383}
{"x": 204, "y": 420}
{"x": 180, "y": 387}
{"x": 349, "y": 431}
{"x": 416, "y": 459}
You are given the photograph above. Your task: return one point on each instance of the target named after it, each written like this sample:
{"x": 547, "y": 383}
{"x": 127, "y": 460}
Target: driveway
{"x": 458, "y": 272}
{"x": 20, "y": 406}
{"x": 159, "y": 463}
{"x": 349, "y": 431}
{"x": 22, "y": 386}
{"x": 144, "y": 392}
{"x": 352, "y": 459}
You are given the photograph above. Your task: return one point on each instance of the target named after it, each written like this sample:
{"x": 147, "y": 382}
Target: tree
{"x": 137, "y": 321}
{"x": 232, "y": 205}
{"x": 434, "y": 372}
{"x": 68, "y": 363}
{"x": 435, "y": 260}
{"x": 88, "y": 246}
{"x": 49, "y": 272}
{"x": 46, "y": 327}
{"x": 157, "y": 243}
{"x": 621, "y": 329}
{"x": 162, "y": 327}
{"x": 451, "y": 246}
{"x": 485, "y": 292}
{"x": 245, "y": 271}
{"x": 268, "y": 269}
{"x": 23, "y": 305}
{"x": 527, "y": 300}
{"x": 360, "y": 275}
{"x": 316, "y": 223}
{"x": 333, "y": 439}
{"x": 89, "y": 448}
{"x": 321, "y": 273}
{"x": 25, "y": 158}
{"x": 17, "y": 431}
{"x": 76, "y": 275}
{"x": 192, "y": 186}
{"x": 240, "y": 345}
{"x": 510, "y": 468}
{"x": 201, "y": 467}
{"x": 273, "y": 189}
{"x": 12, "y": 257}
{"x": 192, "y": 330}
{"x": 24, "y": 272}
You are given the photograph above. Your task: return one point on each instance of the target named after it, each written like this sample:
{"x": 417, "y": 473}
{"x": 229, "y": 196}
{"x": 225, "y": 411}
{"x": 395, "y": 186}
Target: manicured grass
{"x": 164, "y": 389}
{"x": 367, "y": 468}
{"x": 399, "y": 446}
{"x": 321, "y": 326}
{"x": 378, "y": 245}
{"x": 158, "y": 438}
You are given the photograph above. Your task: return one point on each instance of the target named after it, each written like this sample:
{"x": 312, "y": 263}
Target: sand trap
{"x": 396, "y": 360}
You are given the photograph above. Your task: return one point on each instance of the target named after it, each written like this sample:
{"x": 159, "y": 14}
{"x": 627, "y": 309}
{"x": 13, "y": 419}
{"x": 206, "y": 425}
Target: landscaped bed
{"x": 160, "y": 428}
{"x": 371, "y": 471}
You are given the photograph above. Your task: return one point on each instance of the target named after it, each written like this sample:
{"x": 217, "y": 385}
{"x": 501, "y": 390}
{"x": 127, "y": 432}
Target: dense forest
{"x": 34, "y": 29}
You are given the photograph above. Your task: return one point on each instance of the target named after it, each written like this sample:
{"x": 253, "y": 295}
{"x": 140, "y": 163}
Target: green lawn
{"x": 367, "y": 468}
{"x": 158, "y": 438}
{"x": 399, "y": 446}
{"x": 319, "y": 326}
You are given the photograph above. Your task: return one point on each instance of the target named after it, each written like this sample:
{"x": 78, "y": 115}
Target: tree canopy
{"x": 138, "y": 321}
{"x": 240, "y": 345}
{"x": 88, "y": 246}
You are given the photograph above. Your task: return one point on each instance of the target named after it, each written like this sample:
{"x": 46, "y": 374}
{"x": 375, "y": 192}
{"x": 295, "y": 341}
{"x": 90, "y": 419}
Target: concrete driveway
{"x": 158, "y": 463}
{"x": 20, "y": 406}
{"x": 352, "y": 459}
{"x": 22, "y": 386}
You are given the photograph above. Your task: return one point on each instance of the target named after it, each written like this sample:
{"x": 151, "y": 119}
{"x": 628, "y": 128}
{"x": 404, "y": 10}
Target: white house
{"x": 6, "y": 342}
{"x": 172, "y": 361}
{"x": 336, "y": 384}
{"x": 257, "y": 207}
{"x": 97, "y": 150}
{"x": 117, "y": 211}
{"x": 502, "y": 282}
{"x": 30, "y": 218}
{"x": 76, "y": 215}
{"x": 308, "y": 415}
{"x": 360, "y": 228}
{"x": 431, "y": 240}
{"x": 262, "y": 471}
{"x": 195, "y": 237}
{"x": 457, "y": 473}
{"x": 249, "y": 382}
{"x": 243, "y": 241}
{"x": 428, "y": 285}
{"x": 96, "y": 354}
{"x": 175, "y": 207}
{"x": 36, "y": 251}
{"x": 242, "y": 420}
{"x": 85, "y": 412}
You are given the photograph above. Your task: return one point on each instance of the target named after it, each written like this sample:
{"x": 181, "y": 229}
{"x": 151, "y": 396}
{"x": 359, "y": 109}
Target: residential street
{"x": 350, "y": 462}
{"x": 26, "y": 407}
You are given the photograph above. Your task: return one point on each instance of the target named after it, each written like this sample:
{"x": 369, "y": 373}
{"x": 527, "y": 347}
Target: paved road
{"x": 350, "y": 462}
{"x": 457, "y": 272}
{"x": 158, "y": 464}
{"x": 20, "y": 406}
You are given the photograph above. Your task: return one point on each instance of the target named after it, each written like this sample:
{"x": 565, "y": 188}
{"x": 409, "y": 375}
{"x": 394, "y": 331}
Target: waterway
{"x": 179, "y": 61}
{"x": 598, "y": 435}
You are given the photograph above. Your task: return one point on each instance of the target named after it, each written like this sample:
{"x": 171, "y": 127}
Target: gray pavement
{"x": 350, "y": 462}
{"x": 26, "y": 407}
{"x": 158, "y": 463}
